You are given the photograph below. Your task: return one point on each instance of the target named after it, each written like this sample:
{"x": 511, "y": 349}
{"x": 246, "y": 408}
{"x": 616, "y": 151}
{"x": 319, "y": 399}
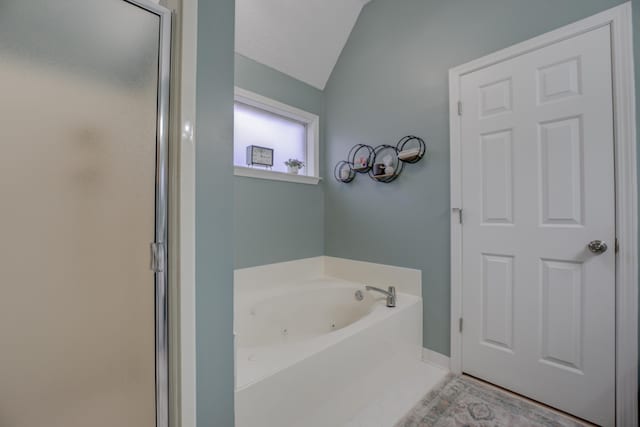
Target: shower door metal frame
{"x": 159, "y": 247}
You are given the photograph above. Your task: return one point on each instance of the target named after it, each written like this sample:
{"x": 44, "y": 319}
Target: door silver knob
{"x": 597, "y": 246}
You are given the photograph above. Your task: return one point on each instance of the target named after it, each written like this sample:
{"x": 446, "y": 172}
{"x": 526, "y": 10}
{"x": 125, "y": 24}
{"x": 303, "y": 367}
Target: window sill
{"x": 275, "y": 176}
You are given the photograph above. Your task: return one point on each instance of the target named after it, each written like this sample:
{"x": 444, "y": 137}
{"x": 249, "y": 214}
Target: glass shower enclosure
{"x": 83, "y": 181}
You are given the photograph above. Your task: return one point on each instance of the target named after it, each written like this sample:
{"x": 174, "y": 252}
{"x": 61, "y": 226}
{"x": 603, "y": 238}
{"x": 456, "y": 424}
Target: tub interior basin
{"x": 300, "y": 314}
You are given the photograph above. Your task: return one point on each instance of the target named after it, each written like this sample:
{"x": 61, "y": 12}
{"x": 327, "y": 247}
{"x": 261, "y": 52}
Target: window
{"x": 290, "y": 132}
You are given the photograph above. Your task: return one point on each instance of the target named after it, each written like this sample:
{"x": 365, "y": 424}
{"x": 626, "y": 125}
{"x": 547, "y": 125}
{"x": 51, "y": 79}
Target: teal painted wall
{"x": 266, "y": 81}
{"x": 391, "y": 80}
{"x": 214, "y": 214}
{"x": 277, "y": 221}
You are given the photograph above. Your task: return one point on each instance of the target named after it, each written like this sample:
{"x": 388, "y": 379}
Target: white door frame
{"x": 619, "y": 19}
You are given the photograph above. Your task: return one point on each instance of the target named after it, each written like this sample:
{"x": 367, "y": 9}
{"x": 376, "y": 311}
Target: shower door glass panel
{"x": 78, "y": 119}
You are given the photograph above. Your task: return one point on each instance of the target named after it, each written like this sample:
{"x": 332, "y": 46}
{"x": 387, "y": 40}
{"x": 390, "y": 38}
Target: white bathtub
{"x": 311, "y": 355}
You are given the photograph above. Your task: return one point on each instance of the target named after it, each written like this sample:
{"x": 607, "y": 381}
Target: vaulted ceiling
{"x": 301, "y": 38}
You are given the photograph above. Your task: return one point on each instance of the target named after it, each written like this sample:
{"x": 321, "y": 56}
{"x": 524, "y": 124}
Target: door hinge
{"x": 460, "y": 325}
{"x": 158, "y": 256}
{"x": 459, "y": 210}
{"x": 617, "y": 246}
{"x": 459, "y": 108}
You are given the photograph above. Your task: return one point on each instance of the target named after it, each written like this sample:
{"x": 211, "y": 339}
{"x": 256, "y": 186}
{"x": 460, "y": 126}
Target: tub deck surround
{"x": 406, "y": 280}
{"x": 309, "y": 352}
{"x": 278, "y": 274}
{"x": 278, "y": 328}
{"x": 329, "y": 379}
{"x": 414, "y": 381}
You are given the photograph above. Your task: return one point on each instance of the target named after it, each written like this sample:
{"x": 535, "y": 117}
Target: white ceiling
{"x": 301, "y": 38}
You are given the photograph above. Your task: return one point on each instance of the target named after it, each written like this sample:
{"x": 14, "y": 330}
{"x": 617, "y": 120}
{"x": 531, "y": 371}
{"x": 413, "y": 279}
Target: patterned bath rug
{"x": 460, "y": 401}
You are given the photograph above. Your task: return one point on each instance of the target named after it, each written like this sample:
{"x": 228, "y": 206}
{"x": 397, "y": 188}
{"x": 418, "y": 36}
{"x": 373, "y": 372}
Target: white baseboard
{"x": 435, "y": 358}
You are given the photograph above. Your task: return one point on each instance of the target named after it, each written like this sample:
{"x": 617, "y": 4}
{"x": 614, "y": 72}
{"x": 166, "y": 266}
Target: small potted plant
{"x": 294, "y": 165}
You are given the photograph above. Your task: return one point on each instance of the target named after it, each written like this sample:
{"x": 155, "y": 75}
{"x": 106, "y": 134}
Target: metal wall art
{"x": 383, "y": 163}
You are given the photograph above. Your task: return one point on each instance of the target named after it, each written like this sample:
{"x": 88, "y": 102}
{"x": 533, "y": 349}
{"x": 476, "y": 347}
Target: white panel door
{"x": 537, "y": 187}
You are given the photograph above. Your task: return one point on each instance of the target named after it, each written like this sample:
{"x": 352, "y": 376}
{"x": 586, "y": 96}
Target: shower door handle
{"x": 157, "y": 257}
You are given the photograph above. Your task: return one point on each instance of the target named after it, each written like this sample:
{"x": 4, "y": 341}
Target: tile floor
{"x": 463, "y": 401}
{"x": 396, "y": 402}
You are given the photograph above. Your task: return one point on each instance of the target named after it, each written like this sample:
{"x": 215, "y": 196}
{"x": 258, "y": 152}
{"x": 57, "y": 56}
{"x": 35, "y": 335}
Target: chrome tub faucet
{"x": 391, "y": 294}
